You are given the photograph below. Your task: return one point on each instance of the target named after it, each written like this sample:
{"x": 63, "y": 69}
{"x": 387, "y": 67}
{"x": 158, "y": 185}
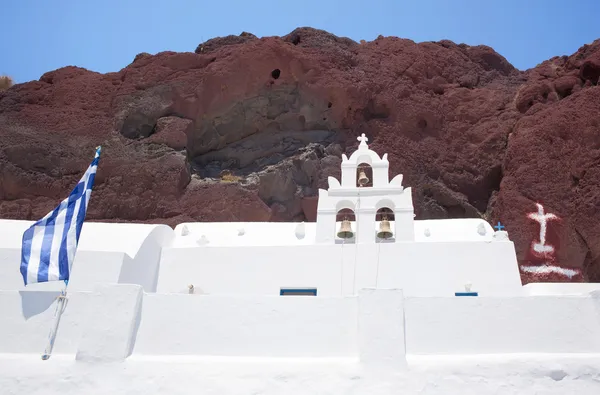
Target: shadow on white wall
{"x": 36, "y": 302}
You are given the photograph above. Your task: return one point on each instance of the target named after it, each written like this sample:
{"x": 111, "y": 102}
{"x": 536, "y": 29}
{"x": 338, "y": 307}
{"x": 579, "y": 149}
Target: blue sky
{"x": 42, "y": 35}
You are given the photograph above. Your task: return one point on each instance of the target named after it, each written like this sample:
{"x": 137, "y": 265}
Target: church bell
{"x": 362, "y": 178}
{"x": 345, "y": 230}
{"x": 385, "y": 232}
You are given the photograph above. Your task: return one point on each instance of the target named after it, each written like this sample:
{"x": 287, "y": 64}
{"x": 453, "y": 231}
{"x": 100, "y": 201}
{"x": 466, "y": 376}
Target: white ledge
{"x": 367, "y": 191}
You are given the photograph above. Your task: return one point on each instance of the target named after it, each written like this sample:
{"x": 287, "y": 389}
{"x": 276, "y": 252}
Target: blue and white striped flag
{"x": 49, "y": 245}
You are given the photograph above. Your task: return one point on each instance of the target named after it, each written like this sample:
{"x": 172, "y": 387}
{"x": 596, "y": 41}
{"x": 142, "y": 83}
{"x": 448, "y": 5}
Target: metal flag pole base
{"x": 60, "y": 308}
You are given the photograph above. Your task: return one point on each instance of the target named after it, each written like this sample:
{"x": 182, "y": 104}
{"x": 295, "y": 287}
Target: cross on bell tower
{"x": 363, "y": 140}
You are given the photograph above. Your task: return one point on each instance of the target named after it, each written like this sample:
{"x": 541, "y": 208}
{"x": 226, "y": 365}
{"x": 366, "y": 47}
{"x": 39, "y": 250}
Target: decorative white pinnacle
{"x": 300, "y": 231}
{"x": 363, "y": 140}
{"x": 203, "y": 240}
{"x": 500, "y": 235}
{"x": 481, "y": 229}
{"x": 185, "y": 231}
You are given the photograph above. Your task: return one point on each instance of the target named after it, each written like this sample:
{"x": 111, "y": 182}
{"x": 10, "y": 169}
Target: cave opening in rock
{"x": 375, "y": 110}
{"x": 275, "y": 73}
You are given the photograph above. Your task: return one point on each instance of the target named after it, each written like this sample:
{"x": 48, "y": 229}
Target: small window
{"x": 466, "y": 294}
{"x": 298, "y": 292}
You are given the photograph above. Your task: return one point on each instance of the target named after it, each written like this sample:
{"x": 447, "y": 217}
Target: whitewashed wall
{"x": 151, "y": 256}
{"x": 377, "y": 326}
{"x": 27, "y": 319}
{"x": 420, "y": 269}
{"x": 440, "y": 269}
{"x": 531, "y": 324}
{"x": 248, "y": 326}
{"x": 124, "y": 253}
{"x": 251, "y": 270}
{"x": 118, "y": 320}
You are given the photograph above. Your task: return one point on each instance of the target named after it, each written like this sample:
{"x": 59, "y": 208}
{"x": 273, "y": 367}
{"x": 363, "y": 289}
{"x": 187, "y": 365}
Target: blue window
{"x": 466, "y": 294}
{"x": 298, "y": 292}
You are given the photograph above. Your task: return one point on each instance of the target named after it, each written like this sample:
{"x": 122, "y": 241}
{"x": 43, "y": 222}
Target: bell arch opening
{"x": 345, "y": 226}
{"x": 384, "y": 221}
{"x": 364, "y": 175}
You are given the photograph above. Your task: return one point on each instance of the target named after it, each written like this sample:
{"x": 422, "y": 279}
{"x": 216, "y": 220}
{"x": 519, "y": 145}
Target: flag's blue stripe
{"x": 42, "y": 274}
{"x": 80, "y": 217}
{"x": 63, "y": 253}
{"x": 90, "y": 183}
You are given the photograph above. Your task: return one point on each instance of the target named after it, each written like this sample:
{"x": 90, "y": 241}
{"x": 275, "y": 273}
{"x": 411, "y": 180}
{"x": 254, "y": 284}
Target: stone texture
{"x": 248, "y": 129}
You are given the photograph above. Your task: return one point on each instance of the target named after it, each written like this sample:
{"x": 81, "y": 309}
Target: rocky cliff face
{"x": 248, "y": 129}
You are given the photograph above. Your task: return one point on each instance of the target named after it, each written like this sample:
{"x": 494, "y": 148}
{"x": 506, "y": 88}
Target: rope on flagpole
{"x": 61, "y": 304}
{"x": 357, "y": 218}
{"x": 342, "y": 269}
{"x": 378, "y": 255}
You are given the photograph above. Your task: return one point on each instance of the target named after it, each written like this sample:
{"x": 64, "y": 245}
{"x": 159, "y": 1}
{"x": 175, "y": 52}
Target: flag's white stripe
{"x": 88, "y": 195}
{"x": 36, "y": 250}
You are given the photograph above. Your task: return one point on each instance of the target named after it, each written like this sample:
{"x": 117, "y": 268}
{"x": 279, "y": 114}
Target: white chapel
{"x": 365, "y": 236}
{"x": 227, "y": 307}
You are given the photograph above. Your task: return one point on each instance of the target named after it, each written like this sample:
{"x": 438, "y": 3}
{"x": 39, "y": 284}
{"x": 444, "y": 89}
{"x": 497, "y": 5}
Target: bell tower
{"x": 356, "y": 195}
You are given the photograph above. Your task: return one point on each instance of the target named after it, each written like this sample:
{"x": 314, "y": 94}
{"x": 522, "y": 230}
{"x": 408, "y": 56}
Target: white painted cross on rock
{"x": 542, "y": 219}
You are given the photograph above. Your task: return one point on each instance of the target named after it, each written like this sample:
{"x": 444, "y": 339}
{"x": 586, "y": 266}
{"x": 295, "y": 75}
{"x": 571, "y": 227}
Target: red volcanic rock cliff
{"x": 248, "y": 129}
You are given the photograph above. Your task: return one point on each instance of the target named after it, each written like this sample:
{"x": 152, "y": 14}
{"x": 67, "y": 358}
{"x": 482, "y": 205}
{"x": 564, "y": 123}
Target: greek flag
{"x": 49, "y": 245}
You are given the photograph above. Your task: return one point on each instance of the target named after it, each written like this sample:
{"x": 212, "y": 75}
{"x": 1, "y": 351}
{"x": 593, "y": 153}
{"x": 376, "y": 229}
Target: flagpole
{"x": 61, "y": 304}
